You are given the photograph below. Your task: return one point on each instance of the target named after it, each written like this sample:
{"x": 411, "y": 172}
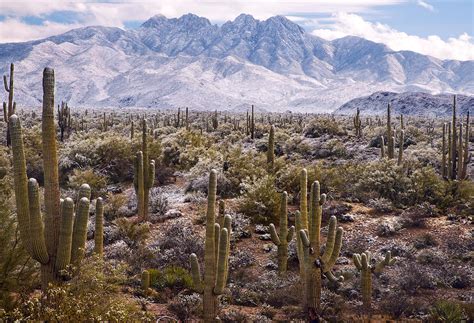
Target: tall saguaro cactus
{"x": 216, "y": 258}
{"x": 271, "y": 150}
{"x": 363, "y": 264}
{"x": 144, "y": 175}
{"x": 281, "y": 240}
{"x": 64, "y": 119}
{"x": 9, "y": 108}
{"x": 357, "y": 124}
{"x": 390, "y": 135}
{"x": 252, "y": 124}
{"x": 99, "y": 227}
{"x": 302, "y": 220}
{"x": 60, "y": 240}
{"x": 318, "y": 265}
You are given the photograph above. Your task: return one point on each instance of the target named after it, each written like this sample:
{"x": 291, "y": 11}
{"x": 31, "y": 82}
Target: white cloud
{"x": 13, "y": 30}
{"x": 425, "y": 5}
{"x": 116, "y": 13}
{"x": 344, "y": 24}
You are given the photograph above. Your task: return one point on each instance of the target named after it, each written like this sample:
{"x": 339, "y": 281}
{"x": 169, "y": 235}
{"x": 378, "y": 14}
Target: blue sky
{"x": 443, "y": 29}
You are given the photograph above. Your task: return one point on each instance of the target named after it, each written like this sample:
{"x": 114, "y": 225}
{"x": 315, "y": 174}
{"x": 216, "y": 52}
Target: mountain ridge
{"x": 272, "y": 63}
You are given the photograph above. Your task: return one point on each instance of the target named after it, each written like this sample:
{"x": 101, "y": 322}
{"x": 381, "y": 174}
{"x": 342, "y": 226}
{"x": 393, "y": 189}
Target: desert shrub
{"x": 400, "y": 304}
{"x": 92, "y": 295}
{"x": 260, "y": 199}
{"x": 446, "y": 311}
{"x": 424, "y": 241}
{"x": 323, "y": 125}
{"x": 96, "y": 181}
{"x": 185, "y": 306}
{"x": 158, "y": 202}
{"x": 33, "y": 152}
{"x": 416, "y": 279}
{"x": 134, "y": 234}
{"x": 175, "y": 244}
{"x": 381, "y": 205}
{"x": 241, "y": 259}
{"x": 113, "y": 205}
{"x": 173, "y": 277}
{"x": 17, "y": 270}
{"x": 234, "y": 316}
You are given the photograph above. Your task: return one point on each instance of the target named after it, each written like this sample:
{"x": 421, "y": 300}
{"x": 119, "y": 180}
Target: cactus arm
{"x": 196, "y": 273}
{"x": 84, "y": 191}
{"x": 274, "y": 235}
{"x": 5, "y": 114}
{"x": 20, "y": 181}
{"x": 357, "y": 261}
{"x": 217, "y": 237}
{"x": 5, "y": 83}
{"x": 304, "y": 239}
{"x": 80, "y": 231}
{"x": 336, "y": 250}
{"x": 38, "y": 245}
{"x": 151, "y": 174}
{"x": 364, "y": 262}
{"x": 63, "y": 257}
{"x": 304, "y": 198}
{"x": 331, "y": 239}
{"x": 330, "y": 275}
{"x": 291, "y": 233}
{"x": 145, "y": 280}
{"x": 387, "y": 261}
{"x": 222, "y": 262}
{"x": 99, "y": 227}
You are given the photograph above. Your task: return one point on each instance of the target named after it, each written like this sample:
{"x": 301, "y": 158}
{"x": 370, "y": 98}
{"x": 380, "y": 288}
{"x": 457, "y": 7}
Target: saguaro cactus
{"x": 144, "y": 175}
{"x": 318, "y": 265}
{"x": 64, "y": 119}
{"x": 9, "y": 108}
{"x": 99, "y": 227}
{"x": 61, "y": 238}
{"x": 363, "y": 264}
{"x": 271, "y": 150}
{"x": 252, "y": 124}
{"x": 357, "y": 124}
{"x": 145, "y": 280}
{"x": 390, "y": 135}
{"x": 281, "y": 240}
{"x": 400, "y": 147}
{"x": 382, "y": 147}
{"x": 466, "y": 155}
{"x": 216, "y": 258}
{"x": 443, "y": 153}
{"x": 302, "y": 220}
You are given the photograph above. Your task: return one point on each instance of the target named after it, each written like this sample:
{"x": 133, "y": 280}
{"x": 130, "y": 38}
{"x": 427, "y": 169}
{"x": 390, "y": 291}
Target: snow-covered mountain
{"x": 188, "y": 61}
{"x": 408, "y": 103}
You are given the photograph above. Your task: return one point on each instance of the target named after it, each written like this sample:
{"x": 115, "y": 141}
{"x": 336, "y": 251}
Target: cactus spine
{"x": 363, "y": 264}
{"x": 9, "y": 108}
{"x": 358, "y": 124}
{"x": 271, "y": 150}
{"x": 318, "y": 265}
{"x": 281, "y": 240}
{"x": 60, "y": 238}
{"x": 99, "y": 228}
{"x": 217, "y": 248}
{"x": 144, "y": 175}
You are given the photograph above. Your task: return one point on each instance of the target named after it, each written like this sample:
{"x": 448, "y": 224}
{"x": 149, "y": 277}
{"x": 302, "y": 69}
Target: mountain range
{"x": 187, "y": 61}
{"x": 408, "y": 103}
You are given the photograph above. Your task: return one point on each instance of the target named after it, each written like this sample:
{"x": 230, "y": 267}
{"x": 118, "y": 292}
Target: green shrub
{"x": 96, "y": 181}
{"x": 93, "y": 295}
{"x": 173, "y": 277}
{"x": 260, "y": 199}
{"x": 446, "y": 311}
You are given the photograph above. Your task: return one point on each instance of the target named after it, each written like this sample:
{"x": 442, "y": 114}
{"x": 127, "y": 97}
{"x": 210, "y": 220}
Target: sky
{"x": 443, "y": 29}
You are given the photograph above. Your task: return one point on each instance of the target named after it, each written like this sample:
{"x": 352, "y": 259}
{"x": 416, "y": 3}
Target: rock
{"x": 342, "y": 261}
{"x": 268, "y": 247}
{"x": 347, "y": 218}
{"x": 265, "y": 237}
{"x": 172, "y": 214}
{"x": 261, "y": 229}
{"x": 271, "y": 265}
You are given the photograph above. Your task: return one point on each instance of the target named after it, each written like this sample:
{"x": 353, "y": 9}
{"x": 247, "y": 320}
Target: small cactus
{"x": 99, "y": 228}
{"x": 9, "y": 108}
{"x": 363, "y": 263}
{"x": 357, "y": 124}
{"x": 145, "y": 281}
